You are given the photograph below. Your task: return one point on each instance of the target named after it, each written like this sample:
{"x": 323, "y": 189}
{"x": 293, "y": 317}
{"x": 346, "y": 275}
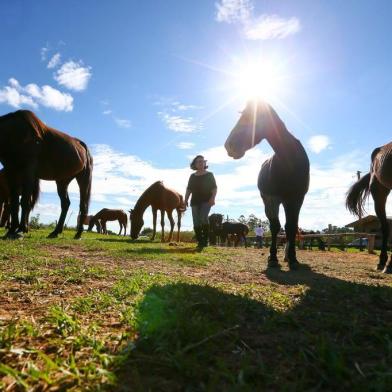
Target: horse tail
{"x": 357, "y": 195}
{"x": 35, "y": 194}
{"x": 87, "y": 173}
{"x": 182, "y": 207}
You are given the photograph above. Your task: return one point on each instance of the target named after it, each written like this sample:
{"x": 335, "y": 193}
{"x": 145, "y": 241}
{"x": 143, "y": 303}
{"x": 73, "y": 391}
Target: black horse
{"x": 237, "y": 230}
{"x": 283, "y": 179}
{"x": 215, "y": 222}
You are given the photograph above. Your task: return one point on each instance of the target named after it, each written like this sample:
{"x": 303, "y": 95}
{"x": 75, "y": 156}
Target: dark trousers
{"x": 259, "y": 241}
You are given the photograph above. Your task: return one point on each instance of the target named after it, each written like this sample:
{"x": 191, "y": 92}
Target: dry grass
{"x": 109, "y": 313}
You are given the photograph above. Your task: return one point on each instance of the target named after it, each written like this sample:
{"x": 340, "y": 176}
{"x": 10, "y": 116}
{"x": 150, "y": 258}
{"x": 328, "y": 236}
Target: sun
{"x": 258, "y": 79}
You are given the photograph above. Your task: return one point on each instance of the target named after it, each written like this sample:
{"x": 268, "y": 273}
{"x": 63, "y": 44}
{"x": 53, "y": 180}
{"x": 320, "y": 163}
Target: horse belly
{"x": 276, "y": 180}
{"x": 61, "y": 160}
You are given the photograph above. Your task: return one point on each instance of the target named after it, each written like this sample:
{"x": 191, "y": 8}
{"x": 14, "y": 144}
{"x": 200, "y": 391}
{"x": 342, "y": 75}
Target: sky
{"x": 149, "y": 85}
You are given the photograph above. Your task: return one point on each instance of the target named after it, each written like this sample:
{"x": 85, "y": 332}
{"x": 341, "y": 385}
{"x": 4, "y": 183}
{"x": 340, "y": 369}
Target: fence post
{"x": 371, "y": 240}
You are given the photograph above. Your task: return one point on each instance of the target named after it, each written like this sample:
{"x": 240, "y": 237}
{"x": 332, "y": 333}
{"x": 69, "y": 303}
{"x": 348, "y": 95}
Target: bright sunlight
{"x": 258, "y": 80}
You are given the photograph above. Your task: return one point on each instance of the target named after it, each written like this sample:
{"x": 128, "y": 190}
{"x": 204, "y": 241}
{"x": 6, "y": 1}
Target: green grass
{"x": 108, "y": 313}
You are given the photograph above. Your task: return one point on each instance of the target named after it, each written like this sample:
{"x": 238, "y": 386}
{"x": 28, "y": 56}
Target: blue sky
{"x": 150, "y": 84}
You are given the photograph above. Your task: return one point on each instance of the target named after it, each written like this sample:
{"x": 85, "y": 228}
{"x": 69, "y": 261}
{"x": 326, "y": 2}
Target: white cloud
{"x": 54, "y": 61}
{"x": 44, "y": 52}
{"x": 119, "y": 179}
{"x": 178, "y": 123}
{"x": 185, "y": 145}
{"x": 33, "y": 95}
{"x": 262, "y": 27}
{"x": 106, "y": 112}
{"x": 73, "y": 75}
{"x": 319, "y": 143}
{"x": 230, "y": 11}
{"x": 122, "y": 123}
{"x": 271, "y": 27}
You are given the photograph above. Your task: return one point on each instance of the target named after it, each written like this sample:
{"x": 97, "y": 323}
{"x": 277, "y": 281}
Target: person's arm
{"x": 214, "y": 190}
{"x": 211, "y": 202}
{"x": 188, "y": 190}
{"x": 187, "y": 194}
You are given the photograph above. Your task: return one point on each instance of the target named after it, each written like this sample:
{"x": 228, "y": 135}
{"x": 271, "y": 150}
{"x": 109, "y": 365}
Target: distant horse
{"x": 106, "y": 215}
{"x": 159, "y": 198}
{"x": 5, "y": 219}
{"x": 87, "y": 221}
{"x": 215, "y": 223}
{"x": 237, "y": 230}
{"x": 378, "y": 182}
{"x": 29, "y": 151}
{"x": 283, "y": 179}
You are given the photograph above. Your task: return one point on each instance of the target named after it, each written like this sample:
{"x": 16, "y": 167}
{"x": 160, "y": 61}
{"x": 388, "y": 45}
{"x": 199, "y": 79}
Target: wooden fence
{"x": 329, "y": 240}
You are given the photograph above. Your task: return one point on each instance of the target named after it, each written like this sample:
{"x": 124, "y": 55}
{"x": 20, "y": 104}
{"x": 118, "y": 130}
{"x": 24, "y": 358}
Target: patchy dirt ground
{"x": 71, "y": 310}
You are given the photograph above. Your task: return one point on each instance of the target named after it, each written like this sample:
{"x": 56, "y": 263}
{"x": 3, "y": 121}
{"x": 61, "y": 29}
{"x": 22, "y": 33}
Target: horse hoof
{"x": 380, "y": 267}
{"x": 52, "y": 235}
{"x": 293, "y": 265}
{"x": 13, "y": 236}
{"x": 273, "y": 263}
{"x": 387, "y": 269}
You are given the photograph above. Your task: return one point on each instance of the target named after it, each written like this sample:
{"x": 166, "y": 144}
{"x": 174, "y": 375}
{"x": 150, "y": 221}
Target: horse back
{"x": 164, "y": 198}
{"x": 381, "y": 166}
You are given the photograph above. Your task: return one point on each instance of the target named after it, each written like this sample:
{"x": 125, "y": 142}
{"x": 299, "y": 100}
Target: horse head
{"x": 137, "y": 223}
{"x": 257, "y": 121}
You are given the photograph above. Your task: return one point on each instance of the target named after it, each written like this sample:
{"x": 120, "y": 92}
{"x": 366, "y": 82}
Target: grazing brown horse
{"x": 283, "y": 179}
{"x": 378, "y": 182}
{"x": 87, "y": 221}
{"x": 106, "y": 215}
{"x": 29, "y": 151}
{"x": 5, "y": 220}
{"x": 159, "y": 198}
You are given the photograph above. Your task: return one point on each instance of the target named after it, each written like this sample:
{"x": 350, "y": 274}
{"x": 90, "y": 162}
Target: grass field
{"x": 106, "y": 313}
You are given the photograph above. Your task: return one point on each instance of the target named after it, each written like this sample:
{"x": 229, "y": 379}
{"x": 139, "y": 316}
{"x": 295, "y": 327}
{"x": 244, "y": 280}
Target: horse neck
{"x": 143, "y": 202}
{"x": 279, "y": 138}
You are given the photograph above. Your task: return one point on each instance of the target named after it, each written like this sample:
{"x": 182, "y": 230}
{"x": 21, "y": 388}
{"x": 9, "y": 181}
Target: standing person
{"x": 202, "y": 187}
{"x": 259, "y": 236}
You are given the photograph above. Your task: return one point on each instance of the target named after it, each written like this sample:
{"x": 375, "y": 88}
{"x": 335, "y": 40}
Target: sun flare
{"x": 258, "y": 80}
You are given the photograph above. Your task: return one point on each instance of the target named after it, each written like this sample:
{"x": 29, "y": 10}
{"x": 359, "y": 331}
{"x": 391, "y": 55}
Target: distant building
{"x": 370, "y": 224}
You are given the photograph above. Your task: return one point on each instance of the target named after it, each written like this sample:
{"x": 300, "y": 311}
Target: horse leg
{"x": 380, "y": 194}
{"x": 14, "y": 212}
{"x": 170, "y": 216}
{"x": 125, "y": 227}
{"x": 119, "y": 222}
{"x": 163, "y": 225}
{"x": 271, "y": 205}
{"x": 154, "y": 223}
{"x": 292, "y": 214}
{"x": 84, "y": 181}
{"x": 179, "y": 216}
{"x": 62, "y": 191}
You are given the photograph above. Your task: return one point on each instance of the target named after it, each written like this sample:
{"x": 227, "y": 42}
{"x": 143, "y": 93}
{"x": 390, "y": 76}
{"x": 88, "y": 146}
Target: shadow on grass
{"x": 336, "y": 336}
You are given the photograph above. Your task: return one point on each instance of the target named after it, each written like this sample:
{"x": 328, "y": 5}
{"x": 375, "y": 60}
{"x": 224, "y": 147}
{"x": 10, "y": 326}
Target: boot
{"x": 199, "y": 237}
{"x": 205, "y": 234}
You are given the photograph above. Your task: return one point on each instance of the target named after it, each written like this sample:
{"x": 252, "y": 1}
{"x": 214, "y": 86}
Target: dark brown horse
{"x": 29, "y": 151}
{"x": 215, "y": 223}
{"x": 379, "y": 183}
{"x": 105, "y": 215}
{"x": 235, "y": 230}
{"x": 283, "y": 179}
{"x": 159, "y": 198}
{"x": 5, "y": 196}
